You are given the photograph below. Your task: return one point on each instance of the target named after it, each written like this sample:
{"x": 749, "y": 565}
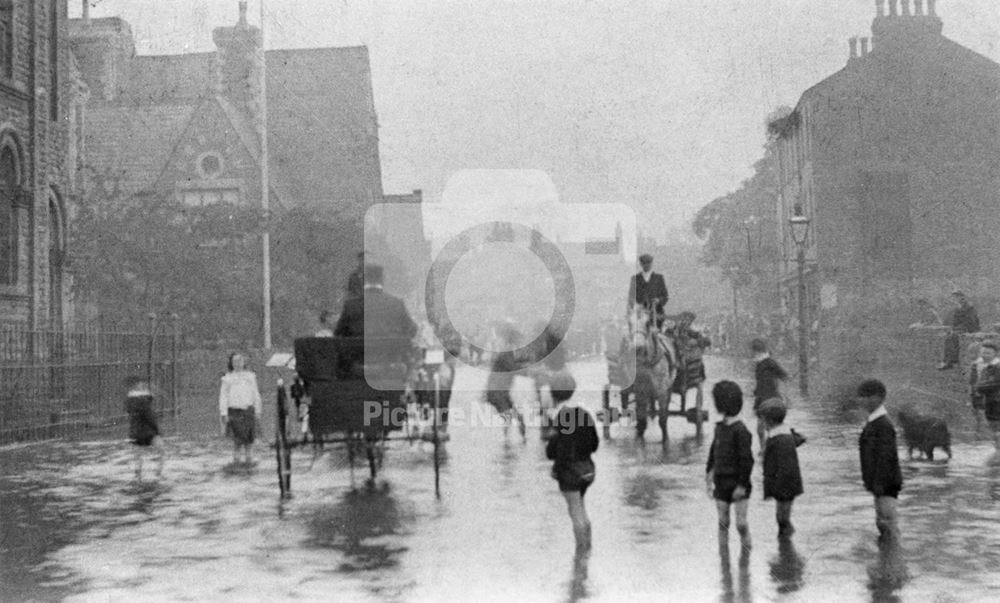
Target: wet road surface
{"x": 76, "y": 526}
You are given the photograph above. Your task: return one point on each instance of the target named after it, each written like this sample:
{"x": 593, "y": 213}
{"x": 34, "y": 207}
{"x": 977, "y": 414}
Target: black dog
{"x": 924, "y": 433}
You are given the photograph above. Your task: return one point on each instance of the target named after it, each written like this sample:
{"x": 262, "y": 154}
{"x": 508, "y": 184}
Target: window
{"x": 54, "y": 60}
{"x": 200, "y": 197}
{"x": 210, "y": 165}
{"x": 7, "y": 38}
{"x": 57, "y": 249}
{"x": 9, "y": 193}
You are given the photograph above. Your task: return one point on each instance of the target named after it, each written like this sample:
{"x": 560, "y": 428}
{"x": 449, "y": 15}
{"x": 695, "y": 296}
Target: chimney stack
{"x": 918, "y": 7}
{"x": 853, "y": 42}
{"x": 906, "y": 7}
{"x": 864, "y": 47}
{"x": 893, "y": 12}
{"x": 86, "y": 11}
{"x": 879, "y": 8}
{"x": 930, "y": 8}
{"x": 238, "y": 62}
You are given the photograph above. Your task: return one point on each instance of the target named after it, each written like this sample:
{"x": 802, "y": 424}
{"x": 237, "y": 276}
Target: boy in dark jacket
{"x": 767, "y": 374}
{"x": 782, "y": 477}
{"x": 730, "y": 461}
{"x": 880, "y": 458}
{"x": 144, "y": 430}
{"x": 986, "y": 386}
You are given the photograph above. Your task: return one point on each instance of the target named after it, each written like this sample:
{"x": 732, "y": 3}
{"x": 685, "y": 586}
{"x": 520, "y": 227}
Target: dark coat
{"x": 965, "y": 319}
{"x": 880, "y": 458}
{"x": 987, "y": 385}
{"x": 388, "y": 318}
{"x": 574, "y": 436}
{"x": 356, "y": 283}
{"x": 782, "y": 477}
{"x": 730, "y": 455}
{"x": 767, "y": 373}
{"x": 642, "y": 293}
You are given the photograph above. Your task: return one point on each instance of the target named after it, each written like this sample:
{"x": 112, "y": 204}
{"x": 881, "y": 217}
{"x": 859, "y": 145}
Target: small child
{"x": 880, "y": 458}
{"x": 782, "y": 477}
{"x": 143, "y": 428}
{"x": 730, "y": 462}
{"x": 986, "y": 386}
{"x": 767, "y": 374}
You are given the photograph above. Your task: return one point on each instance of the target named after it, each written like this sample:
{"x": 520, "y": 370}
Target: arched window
{"x": 10, "y": 191}
{"x": 57, "y": 254}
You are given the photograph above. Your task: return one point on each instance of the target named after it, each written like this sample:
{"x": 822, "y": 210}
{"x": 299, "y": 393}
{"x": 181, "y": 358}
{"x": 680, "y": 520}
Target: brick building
{"x": 189, "y": 125}
{"x": 895, "y": 158}
{"x": 40, "y": 99}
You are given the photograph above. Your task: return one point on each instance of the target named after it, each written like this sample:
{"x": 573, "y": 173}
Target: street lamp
{"x": 799, "y": 226}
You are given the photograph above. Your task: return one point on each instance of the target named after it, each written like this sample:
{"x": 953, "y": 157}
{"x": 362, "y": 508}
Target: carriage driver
{"x": 648, "y": 289}
{"x": 389, "y": 317}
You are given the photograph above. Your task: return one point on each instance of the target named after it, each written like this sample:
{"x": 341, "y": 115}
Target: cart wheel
{"x": 606, "y": 406}
{"x": 699, "y": 418}
{"x": 372, "y": 459}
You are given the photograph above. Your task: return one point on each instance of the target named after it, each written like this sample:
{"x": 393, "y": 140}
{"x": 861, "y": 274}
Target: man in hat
{"x": 963, "y": 320}
{"x": 387, "y": 314}
{"x": 648, "y": 289}
{"x": 356, "y": 281}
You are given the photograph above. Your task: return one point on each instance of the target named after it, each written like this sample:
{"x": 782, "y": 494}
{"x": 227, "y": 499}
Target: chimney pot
{"x": 906, "y": 7}
{"x": 930, "y": 8}
{"x": 893, "y": 10}
{"x": 853, "y": 42}
{"x": 243, "y": 14}
{"x": 864, "y": 47}
{"x": 879, "y": 8}
{"x": 918, "y": 7}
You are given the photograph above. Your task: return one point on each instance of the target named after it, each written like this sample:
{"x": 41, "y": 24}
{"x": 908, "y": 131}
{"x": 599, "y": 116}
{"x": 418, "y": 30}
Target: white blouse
{"x": 239, "y": 390}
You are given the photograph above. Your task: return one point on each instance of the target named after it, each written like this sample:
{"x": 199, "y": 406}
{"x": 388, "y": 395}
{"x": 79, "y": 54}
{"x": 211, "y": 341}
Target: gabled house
{"x": 895, "y": 159}
{"x": 190, "y": 125}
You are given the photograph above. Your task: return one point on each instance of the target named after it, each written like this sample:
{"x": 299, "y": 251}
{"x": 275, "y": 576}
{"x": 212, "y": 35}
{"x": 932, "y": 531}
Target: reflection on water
{"x": 888, "y": 573}
{"x": 74, "y": 523}
{"x": 787, "y": 567}
{"x": 742, "y": 591}
{"x": 359, "y": 525}
{"x": 578, "y": 580}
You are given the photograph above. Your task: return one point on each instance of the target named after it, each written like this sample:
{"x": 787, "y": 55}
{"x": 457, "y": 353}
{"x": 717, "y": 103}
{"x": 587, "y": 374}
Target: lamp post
{"x": 799, "y": 226}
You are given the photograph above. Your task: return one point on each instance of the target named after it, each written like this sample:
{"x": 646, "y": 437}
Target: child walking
{"x": 767, "y": 375}
{"x": 985, "y": 381}
{"x": 880, "y": 459}
{"x": 144, "y": 430}
{"x": 239, "y": 406}
{"x": 782, "y": 477}
{"x": 574, "y": 439}
{"x": 730, "y": 462}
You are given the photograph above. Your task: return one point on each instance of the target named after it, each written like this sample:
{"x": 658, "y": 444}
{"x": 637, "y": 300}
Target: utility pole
{"x": 264, "y": 184}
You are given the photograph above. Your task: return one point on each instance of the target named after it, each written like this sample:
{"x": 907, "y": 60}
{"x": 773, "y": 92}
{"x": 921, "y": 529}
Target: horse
{"x": 649, "y": 361}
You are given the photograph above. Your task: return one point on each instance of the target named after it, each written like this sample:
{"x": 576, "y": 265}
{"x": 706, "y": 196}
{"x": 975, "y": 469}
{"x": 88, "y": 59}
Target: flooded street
{"x": 75, "y": 525}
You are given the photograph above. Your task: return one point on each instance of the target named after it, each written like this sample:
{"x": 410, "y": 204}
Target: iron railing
{"x": 56, "y": 382}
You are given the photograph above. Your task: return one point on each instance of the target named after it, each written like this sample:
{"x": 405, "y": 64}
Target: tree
{"x": 142, "y": 253}
{"x": 740, "y": 232}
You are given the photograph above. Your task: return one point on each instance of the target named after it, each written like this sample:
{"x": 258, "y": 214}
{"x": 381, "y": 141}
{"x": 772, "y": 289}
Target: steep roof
{"x": 132, "y": 143}
{"x": 322, "y": 129}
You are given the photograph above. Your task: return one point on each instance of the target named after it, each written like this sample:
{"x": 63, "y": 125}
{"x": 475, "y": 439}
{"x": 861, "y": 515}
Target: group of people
{"x": 731, "y": 458}
{"x": 239, "y": 415}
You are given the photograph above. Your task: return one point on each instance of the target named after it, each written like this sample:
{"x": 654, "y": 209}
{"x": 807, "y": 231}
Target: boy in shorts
{"x": 730, "y": 461}
{"x": 144, "y": 430}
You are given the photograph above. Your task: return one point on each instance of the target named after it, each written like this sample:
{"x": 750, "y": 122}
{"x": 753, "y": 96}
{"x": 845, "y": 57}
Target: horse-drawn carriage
{"x": 360, "y": 391}
{"x": 648, "y": 366}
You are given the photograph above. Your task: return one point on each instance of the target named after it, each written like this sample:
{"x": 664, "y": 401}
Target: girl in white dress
{"x": 239, "y": 406}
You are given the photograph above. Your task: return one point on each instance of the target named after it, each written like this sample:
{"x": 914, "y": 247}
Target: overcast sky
{"x": 656, "y": 103}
